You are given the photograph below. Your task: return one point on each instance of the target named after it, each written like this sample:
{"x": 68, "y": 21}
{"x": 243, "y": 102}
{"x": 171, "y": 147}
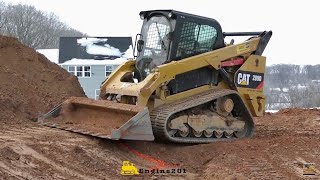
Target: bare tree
{"x": 2, "y": 15}
{"x": 292, "y": 85}
{"x": 33, "y": 27}
{"x": 312, "y": 72}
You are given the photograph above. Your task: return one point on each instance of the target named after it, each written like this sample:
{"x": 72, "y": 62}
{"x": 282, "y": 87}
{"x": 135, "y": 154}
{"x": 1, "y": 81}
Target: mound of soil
{"x": 30, "y": 84}
{"x": 298, "y": 112}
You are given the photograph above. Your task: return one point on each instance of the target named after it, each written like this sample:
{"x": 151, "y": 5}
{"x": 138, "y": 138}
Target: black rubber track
{"x": 160, "y": 115}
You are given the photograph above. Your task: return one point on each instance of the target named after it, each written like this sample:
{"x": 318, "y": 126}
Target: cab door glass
{"x": 205, "y": 37}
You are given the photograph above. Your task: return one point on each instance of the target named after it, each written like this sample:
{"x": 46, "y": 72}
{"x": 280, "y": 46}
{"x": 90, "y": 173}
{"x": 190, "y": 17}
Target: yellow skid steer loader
{"x": 185, "y": 85}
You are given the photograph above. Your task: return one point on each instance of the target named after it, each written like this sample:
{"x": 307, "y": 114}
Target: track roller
{"x": 185, "y": 132}
{"x": 208, "y": 134}
{"x": 197, "y": 133}
{"x": 228, "y": 134}
{"x": 218, "y": 134}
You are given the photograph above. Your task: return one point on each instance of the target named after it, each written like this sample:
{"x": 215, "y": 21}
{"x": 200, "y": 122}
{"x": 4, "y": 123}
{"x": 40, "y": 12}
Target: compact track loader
{"x": 185, "y": 85}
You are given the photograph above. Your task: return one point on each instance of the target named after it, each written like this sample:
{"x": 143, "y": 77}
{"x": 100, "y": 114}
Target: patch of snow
{"x": 76, "y": 62}
{"x": 51, "y": 54}
{"x": 99, "y": 49}
{"x": 272, "y": 111}
{"x": 275, "y": 89}
{"x": 87, "y": 41}
{"x": 129, "y": 53}
{"x": 106, "y": 50}
{"x": 285, "y": 89}
{"x": 301, "y": 86}
{"x": 279, "y": 90}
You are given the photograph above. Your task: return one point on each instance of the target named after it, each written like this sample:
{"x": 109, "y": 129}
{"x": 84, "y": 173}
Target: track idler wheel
{"x": 241, "y": 134}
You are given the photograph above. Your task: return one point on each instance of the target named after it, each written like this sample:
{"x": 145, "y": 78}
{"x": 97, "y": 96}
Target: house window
{"x": 80, "y": 71}
{"x": 72, "y": 70}
{"x": 87, "y": 71}
{"x": 96, "y": 94}
{"x": 109, "y": 70}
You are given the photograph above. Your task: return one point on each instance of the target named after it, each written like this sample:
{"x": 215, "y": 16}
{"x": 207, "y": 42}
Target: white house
{"x": 90, "y": 59}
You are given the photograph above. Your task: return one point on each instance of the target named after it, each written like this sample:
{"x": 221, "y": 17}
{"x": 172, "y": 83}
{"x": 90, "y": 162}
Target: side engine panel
{"x": 249, "y": 81}
{"x": 193, "y": 79}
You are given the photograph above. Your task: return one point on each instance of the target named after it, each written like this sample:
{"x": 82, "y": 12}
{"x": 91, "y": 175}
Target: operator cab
{"x": 168, "y": 35}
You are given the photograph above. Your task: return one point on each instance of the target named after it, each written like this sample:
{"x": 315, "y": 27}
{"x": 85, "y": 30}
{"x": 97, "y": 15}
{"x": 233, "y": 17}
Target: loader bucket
{"x": 100, "y": 118}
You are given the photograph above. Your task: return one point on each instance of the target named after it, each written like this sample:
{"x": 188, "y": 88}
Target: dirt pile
{"x": 30, "y": 83}
{"x": 278, "y": 149}
{"x": 298, "y": 112}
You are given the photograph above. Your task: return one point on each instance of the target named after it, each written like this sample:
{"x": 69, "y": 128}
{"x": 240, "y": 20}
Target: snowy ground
{"x": 272, "y": 111}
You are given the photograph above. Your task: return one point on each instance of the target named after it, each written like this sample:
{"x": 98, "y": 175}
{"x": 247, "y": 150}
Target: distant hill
{"x": 288, "y": 85}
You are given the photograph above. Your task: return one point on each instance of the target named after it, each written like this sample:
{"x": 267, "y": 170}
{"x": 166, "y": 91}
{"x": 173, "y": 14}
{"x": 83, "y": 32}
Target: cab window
{"x": 195, "y": 39}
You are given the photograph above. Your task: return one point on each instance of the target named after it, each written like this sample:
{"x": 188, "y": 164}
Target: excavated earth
{"x": 32, "y": 85}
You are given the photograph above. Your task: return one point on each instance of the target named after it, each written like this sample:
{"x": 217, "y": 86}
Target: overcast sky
{"x": 295, "y": 24}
